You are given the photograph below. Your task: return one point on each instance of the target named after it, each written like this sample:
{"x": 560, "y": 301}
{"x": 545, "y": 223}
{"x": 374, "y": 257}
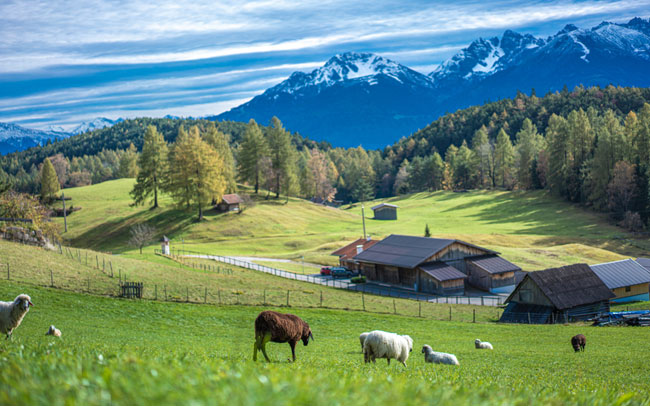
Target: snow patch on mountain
{"x": 96, "y": 124}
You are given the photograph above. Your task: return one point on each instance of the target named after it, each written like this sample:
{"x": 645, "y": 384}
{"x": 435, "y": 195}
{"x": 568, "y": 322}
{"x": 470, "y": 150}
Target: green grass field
{"x": 532, "y": 229}
{"x": 121, "y": 352}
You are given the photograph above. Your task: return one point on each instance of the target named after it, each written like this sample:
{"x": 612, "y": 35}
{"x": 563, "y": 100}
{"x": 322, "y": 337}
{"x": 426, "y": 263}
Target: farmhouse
{"x": 346, "y": 254}
{"x": 568, "y": 293}
{"x": 229, "y": 202}
{"x": 385, "y": 211}
{"x": 627, "y": 279}
{"x": 432, "y": 265}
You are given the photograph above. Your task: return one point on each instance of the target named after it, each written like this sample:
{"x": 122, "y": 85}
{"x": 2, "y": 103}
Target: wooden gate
{"x": 132, "y": 290}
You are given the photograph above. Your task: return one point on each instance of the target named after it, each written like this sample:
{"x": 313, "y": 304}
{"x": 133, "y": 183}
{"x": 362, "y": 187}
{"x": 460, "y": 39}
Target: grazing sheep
{"x": 362, "y": 339}
{"x": 12, "y": 313}
{"x": 438, "y": 357}
{"x": 578, "y": 342}
{"x": 380, "y": 344}
{"x": 53, "y": 331}
{"x": 279, "y": 328}
{"x": 482, "y": 345}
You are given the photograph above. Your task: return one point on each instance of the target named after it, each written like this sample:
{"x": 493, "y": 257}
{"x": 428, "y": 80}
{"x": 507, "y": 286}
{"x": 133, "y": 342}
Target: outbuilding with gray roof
{"x": 627, "y": 279}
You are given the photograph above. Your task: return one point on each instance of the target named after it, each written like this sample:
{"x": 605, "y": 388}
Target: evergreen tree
{"x": 581, "y": 143}
{"x": 529, "y": 143}
{"x": 504, "y": 159}
{"x": 464, "y": 167}
{"x": 197, "y": 177}
{"x": 559, "y": 157}
{"x": 281, "y": 151}
{"x": 252, "y": 150}
{"x": 152, "y": 167}
{"x": 483, "y": 152}
{"x": 427, "y": 232}
{"x": 129, "y": 163}
{"x": 49, "y": 181}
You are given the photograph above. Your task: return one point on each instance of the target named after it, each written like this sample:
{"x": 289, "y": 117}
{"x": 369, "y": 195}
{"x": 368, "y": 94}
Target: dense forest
{"x": 590, "y": 146}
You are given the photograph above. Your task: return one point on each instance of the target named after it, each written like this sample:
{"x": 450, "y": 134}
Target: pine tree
{"x": 427, "y": 232}
{"x": 152, "y": 167}
{"x": 529, "y": 143}
{"x": 504, "y": 159}
{"x": 129, "y": 163}
{"x": 252, "y": 150}
{"x": 196, "y": 172}
{"x": 49, "y": 181}
{"x": 221, "y": 143}
{"x": 282, "y": 158}
{"x": 483, "y": 153}
{"x": 559, "y": 157}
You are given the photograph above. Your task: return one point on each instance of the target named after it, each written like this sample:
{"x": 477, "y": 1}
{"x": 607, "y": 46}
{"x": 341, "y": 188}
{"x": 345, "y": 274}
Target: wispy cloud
{"x": 98, "y": 56}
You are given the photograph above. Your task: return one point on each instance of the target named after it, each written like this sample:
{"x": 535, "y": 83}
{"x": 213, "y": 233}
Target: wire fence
{"x": 369, "y": 288}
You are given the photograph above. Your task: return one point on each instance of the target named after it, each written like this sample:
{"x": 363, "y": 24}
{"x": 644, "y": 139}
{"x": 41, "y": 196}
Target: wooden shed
{"x": 558, "y": 295}
{"x": 432, "y": 265}
{"x": 627, "y": 279}
{"x": 229, "y": 202}
{"x": 385, "y": 211}
{"x": 346, "y": 254}
{"x": 492, "y": 273}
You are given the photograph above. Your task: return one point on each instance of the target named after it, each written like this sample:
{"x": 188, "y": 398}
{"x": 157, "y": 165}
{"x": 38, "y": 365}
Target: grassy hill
{"x": 123, "y": 352}
{"x": 532, "y": 229}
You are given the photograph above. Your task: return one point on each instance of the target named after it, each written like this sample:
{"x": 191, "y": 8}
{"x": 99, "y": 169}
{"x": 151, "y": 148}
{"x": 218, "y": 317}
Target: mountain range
{"x": 363, "y": 98}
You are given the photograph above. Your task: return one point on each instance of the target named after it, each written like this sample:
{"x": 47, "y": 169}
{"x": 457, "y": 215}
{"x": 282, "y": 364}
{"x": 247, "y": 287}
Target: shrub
{"x": 358, "y": 279}
{"x": 632, "y": 221}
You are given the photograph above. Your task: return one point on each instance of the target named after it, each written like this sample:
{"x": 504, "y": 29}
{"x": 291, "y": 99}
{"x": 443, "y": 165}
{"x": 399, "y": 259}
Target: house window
{"x": 628, "y": 288}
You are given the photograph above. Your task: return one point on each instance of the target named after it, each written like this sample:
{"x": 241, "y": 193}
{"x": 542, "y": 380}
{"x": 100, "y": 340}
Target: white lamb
{"x": 438, "y": 357}
{"x": 12, "y": 313}
{"x": 482, "y": 345}
{"x": 362, "y": 339}
{"x": 380, "y": 344}
{"x": 53, "y": 331}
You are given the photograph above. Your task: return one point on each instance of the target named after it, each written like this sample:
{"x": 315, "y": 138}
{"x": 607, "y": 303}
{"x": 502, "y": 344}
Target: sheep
{"x": 12, "y": 313}
{"x": 279, "y": 328}
{"x": 53, "y": 331}
{"x": 380, "y": 344}
{"x": 438, "y": 357}
{"x": 578, "y": 342}
{"x": 362, "y": 339}
{"x": 482, "y": 345}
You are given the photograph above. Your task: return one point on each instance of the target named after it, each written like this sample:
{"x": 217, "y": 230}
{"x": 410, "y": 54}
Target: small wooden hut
{"x": 385, "y": 211}
{"x": 229, "y": 202}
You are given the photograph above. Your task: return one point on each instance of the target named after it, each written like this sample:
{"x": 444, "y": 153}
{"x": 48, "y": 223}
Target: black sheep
{"x": 279, "y": 328}
{"x": 578, "y": 342}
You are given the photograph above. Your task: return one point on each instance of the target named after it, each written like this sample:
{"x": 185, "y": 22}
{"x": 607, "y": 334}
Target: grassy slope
{"x": 123, "y": 352}
{"x": 530, "y": 228}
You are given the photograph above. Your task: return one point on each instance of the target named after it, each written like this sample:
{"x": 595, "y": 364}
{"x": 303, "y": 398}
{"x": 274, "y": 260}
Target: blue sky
{"x": 63, "y": 62}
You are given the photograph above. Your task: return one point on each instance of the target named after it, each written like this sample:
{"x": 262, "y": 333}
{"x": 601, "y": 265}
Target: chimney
{"x": 359, "y": 249}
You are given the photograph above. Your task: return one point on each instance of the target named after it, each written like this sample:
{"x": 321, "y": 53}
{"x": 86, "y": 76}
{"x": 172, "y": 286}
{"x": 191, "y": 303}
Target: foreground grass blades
{"x": 123, "y": 352}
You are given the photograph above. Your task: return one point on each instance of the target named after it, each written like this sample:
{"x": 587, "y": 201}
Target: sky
{"x": 64, "y": 62}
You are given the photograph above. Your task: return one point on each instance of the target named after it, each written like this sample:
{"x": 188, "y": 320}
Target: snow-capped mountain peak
{"x": 96, "y": 124}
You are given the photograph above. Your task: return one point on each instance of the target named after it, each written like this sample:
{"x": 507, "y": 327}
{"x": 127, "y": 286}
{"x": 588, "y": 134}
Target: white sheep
{"x": 53, "y": 331}
{"x": 362, "y": 339}
{"x": 380, "y": 344}
{"x": 482, "y": 345}
{"x": 438, "y": 357}
{"x": 12, "y": 313}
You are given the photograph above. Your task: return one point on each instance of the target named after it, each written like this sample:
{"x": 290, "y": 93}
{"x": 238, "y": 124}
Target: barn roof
{"x": 570, "y": 286}
{"x": 617, "y": 274}
{"x": 231, "y": 198}
{"x": 441, "y": 271}
{"x": 645, "y": 262}
{"x": 350, "y": 250}
{"x": 381, "y": 205}
{"x": 494, "y": 264}
{"x": 407, "y": 251}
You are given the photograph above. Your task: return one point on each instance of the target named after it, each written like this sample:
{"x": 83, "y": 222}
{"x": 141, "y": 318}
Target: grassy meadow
{"x": 531, "y": 229}
{"x": 122, "y": 352}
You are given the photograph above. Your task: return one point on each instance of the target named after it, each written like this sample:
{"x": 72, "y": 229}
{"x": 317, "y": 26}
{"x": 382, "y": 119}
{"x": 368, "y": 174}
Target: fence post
{"x": 528, "y": 317}
{"x": 394, "y": 307}
{"x": 321, "y": 298}
{"x": 473, "y": 315}
{"x": 363, "y": 301}
{"x": 155, "y": 289}
{"x": 51, "y": 278}
{"x": 219, "y": 293}
{"x": 187, "y": 294}
{"x": 111, "y": 265}
{"x": 449, "y": 313}
{"x": 86, "y": 258}
{"x": 103, "y": 264}
{"x": 165, "y": 292}
{"x": 287, "y": 298}
{"x": 88, "y": 284}
{"x": 482, "y": 301}
{"x": 205, "y": 296}
{"x": 8, "y": 276}
{"x": 120, "y": 274}
{"x": 97, "y": 261}
{"x": 456, "y": 299}
{"x": 264, "y": 297}
{"x": 419, "y": 308}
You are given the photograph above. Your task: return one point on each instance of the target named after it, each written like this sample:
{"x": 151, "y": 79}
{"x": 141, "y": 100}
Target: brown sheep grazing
{"x": 578, "y": 342}
{"x": 279, "y": 328}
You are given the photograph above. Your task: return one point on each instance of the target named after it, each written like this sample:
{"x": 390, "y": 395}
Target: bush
{"x": 358, "y": 279}
{"x": 632, "y": 221}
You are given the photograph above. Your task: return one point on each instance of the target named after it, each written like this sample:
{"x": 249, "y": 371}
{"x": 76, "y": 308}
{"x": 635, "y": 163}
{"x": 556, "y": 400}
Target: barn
{"x": 229, "y": 202}
{"x": 431, "y": 265}
{"x": 558, "y": 295}
{"x": 492, "y": 273}
{"x": 346, "y": 254}
{"x": 385, "y": 211}
{"x": 627, "y": 279}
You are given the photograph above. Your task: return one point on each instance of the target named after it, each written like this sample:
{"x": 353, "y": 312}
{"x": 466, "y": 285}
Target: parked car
{"x": 340, "y": 272}
{"x": 326, "y": 270}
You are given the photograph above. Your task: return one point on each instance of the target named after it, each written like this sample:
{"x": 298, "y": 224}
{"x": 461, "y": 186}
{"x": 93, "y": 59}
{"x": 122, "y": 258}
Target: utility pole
{"x": 363, "y": 219}
{"x": 65, "y": 215}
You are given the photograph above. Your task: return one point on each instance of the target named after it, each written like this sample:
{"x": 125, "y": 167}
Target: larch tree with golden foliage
{"x": 196, "y": 172}
{"x": 49, "y": 181}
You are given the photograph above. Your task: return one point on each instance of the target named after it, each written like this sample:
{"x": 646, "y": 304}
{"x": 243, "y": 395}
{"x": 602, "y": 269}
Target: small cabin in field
{"x": 164, "y": 245}
{"x": 346, "y": 254}
{"x": 627, "y": 279}
{"x": 229, "y": 202}
{"x": 492, "y": 273}
{"x": 558, "y": 295}
{"x": 431, "y": 265}
{"x": 385, "y": 211}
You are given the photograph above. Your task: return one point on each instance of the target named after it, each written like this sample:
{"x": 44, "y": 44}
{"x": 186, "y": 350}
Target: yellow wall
{"x": 635, "y": 290}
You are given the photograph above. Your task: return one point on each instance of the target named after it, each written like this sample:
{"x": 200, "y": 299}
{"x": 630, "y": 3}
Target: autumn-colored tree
{"x": 49, "y": 181}
{"x": 152, "y": 167}
{"x": 621, "y": 190}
